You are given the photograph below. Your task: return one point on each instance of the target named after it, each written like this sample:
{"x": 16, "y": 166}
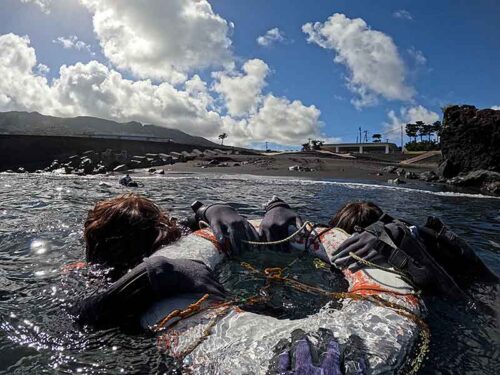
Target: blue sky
{"x": 432, "y": 53}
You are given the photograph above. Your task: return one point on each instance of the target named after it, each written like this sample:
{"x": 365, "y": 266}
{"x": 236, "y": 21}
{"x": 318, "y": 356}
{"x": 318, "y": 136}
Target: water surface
{"x": 41, "y": 221}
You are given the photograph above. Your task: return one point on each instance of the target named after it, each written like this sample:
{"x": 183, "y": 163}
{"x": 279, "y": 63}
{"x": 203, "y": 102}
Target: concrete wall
{"x": 36, "y": 152}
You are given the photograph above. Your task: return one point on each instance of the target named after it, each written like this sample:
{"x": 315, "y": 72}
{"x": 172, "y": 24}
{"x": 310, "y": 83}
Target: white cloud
{"x": 278, "y": 120}
{"x": 403, "y": 14}
{"x": 162, "y": 40}
{"x": 94, "y": 89}
{"x": 255, "y": 117}
{"x": 242, "y": 91}
{"x": 496, "y": 107}
{"x": 271, "y": 36}
{"x": 20, "y": 87}
{"x": 375, "y": 67}
{"x": 43, "y": 4}
{"x": 392, "y": 128}
{"x": 417, "y": 55}
{"x": 42, "y": 69}
{"x": 72, "y": 42}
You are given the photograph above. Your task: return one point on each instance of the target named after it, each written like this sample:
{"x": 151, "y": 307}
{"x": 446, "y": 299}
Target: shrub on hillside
{"x": 422, "y": 146}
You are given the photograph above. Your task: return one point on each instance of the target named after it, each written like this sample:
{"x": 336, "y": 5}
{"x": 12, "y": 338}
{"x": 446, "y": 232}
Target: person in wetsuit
{"x": 434, "y": 257}
{"x": 122, "y": 233}
{"x": 127, "y": 181}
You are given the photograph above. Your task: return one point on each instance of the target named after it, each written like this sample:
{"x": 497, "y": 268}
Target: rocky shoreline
{"x": 470, "y": 151}
{"x": 310, "y": 165}
{"x": 92, "y": 162}
{"x": 470, "y": 145}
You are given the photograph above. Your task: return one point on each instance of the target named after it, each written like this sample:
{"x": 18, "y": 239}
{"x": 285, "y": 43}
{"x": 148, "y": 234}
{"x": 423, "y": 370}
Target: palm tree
{"x": 377, "y": 138}
{"x": 222, "y": 137}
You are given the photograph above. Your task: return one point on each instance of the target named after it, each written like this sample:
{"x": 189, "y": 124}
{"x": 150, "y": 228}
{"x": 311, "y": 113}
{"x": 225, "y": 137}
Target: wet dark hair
{"x": 121, "y": 231}
{"x": 353, "y": 214}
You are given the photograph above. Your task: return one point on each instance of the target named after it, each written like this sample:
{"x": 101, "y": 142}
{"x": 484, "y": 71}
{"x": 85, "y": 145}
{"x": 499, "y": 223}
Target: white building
{"x": 380, "y": 147}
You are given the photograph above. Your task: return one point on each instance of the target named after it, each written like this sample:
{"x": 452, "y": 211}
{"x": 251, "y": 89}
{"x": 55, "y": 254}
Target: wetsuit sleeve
{"x": 121, "y": 303}
{"x": 415, "y": 260}
{"x": 154, "y": 279}
{"x": 455, "y": 255}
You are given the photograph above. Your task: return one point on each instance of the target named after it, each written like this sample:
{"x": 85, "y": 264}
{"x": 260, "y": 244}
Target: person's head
{"x": 352, "y": 214}
{"x": 121, "y": 231}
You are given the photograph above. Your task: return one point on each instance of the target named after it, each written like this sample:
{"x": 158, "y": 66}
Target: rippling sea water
{"x": 41, "y": 222}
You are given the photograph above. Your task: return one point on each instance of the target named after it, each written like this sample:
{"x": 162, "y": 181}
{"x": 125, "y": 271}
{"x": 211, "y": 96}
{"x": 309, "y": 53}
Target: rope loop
{"x": 273, "y": 273}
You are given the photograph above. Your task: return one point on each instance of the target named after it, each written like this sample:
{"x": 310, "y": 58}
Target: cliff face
{"x": 470, "y": 140}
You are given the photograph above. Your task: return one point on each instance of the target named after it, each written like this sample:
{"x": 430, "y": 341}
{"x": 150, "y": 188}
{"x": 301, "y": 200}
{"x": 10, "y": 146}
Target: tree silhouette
{"x": 222, "y": 137}
{"x": 377, "y": 138}
{"x": 436, "y": 128}
{"x": 420, "y": 129}
{"x": 427, "y": 129}
{"x": 411, "y": 131}
{"x": 312, "y": 144}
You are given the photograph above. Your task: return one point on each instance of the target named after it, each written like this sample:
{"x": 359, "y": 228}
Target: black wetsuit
{"x": 156, "y": 278}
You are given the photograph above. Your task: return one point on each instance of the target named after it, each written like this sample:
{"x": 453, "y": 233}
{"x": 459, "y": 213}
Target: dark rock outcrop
{"x": 400, "y": 171}
{"x": 470, "y": 140}
{"x": 396, "y": 181}
{"x": 428, "y": 176}
{"x": 411, "y": 175}
{"x": 389, "y": 169}
{"x": 487, "y": 181}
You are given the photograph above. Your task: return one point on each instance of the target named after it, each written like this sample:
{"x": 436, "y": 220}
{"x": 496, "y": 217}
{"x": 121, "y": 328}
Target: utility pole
{"x": 401, "y": 138}
{"x": 266, "y": 146}
{"x": 357, "y": 139}
{"x": 360, "y": 134}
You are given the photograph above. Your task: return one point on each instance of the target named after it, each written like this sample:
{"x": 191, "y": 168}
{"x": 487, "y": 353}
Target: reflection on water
{"x": 41, "y": 221}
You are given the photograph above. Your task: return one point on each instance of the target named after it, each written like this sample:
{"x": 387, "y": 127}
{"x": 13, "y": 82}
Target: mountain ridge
{"x": 35, "y": 123}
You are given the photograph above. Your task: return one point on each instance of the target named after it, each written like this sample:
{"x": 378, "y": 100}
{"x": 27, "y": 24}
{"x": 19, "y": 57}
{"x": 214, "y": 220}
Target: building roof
{"x": 372, "y": 144}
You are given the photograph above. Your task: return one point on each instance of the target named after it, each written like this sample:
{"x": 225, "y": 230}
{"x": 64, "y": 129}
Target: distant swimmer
{"x": 127, "y": 181}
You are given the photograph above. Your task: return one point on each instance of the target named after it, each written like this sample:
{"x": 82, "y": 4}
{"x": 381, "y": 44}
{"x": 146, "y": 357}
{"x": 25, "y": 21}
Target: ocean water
{"x": 41, "y": 222}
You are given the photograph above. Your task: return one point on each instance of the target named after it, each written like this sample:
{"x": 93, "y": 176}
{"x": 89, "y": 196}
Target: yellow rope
{"x": 181, "y": 314}
{"x": 276, "y": 274}
{"x": 268, "y": 243}
{"x": 279, "y": 242}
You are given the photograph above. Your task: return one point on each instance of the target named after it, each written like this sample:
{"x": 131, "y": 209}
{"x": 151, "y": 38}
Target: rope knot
{"x": 273, "y": 273}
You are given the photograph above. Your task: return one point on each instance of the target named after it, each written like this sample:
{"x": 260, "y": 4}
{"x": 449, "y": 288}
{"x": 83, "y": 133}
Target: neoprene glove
{"x": 362, "y": 245}
{"x": 299, "y": 359}
{"x": 278, "y": 222}
{"x": 226, "y": 223}
{"x": 410, "y": 257}
{"x": 330, "y": 365}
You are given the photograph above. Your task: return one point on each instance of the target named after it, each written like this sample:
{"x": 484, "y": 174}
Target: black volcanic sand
{"x": 278, "y": 165}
